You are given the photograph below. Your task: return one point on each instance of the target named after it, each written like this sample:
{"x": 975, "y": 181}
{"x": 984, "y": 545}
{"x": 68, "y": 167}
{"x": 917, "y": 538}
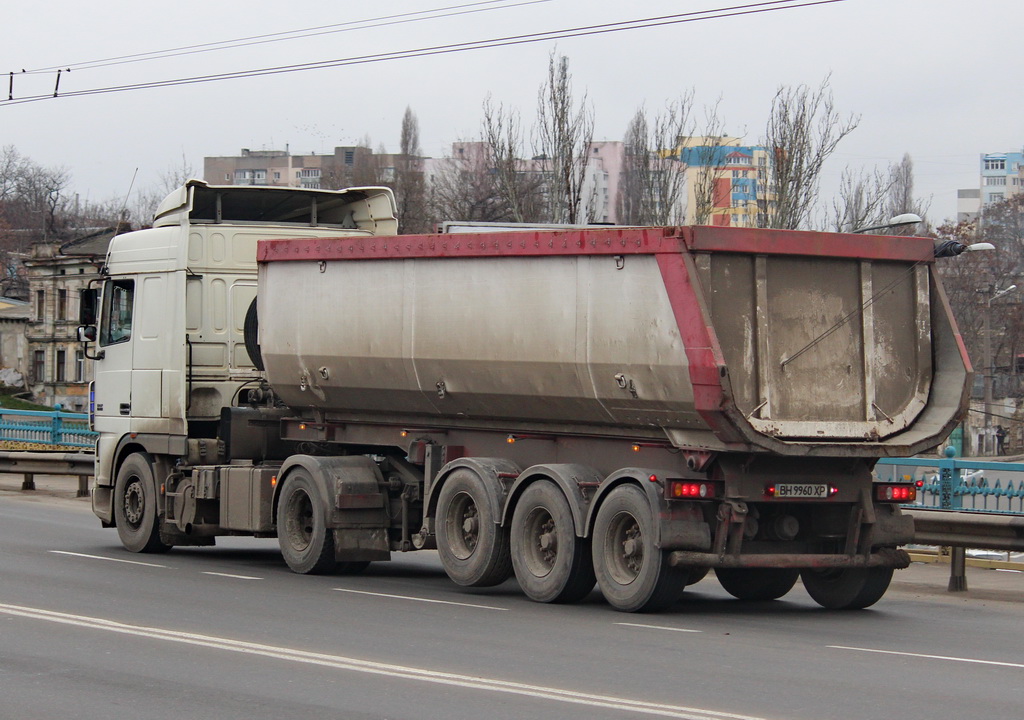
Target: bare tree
{"x": 860, "y": 201}
{"x": 409, "y": 183}
{"x": 520, "y": 189}
{"x": 901, "y": 194}
{"x": 463, "y": 187}
{"x": 803, "y": 130}
{"x": 565, "y": 133}
{"x": 653, "y": 179}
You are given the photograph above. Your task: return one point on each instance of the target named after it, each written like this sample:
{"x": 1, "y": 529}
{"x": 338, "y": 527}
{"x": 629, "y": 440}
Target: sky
{"x": 933, "y": 78}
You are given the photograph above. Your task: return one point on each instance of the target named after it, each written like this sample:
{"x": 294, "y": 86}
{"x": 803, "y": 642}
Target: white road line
{"x": 419, "y": 599}
{"x": 375, "y": 668}
{"x": 930, "y": 657}
{"x": 657, "y": 627}
{"x": 229, "y": 575}
{"x": 101, "y": 557}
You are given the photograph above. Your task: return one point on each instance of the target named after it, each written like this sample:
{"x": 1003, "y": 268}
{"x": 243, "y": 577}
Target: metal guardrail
{"x": 46, "y": 428}
{"x": 963, "y": 503}
{"x": 30, "y": 464}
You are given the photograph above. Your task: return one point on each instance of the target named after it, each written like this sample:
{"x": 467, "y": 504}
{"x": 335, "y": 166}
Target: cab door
{"x": 113, "y": 381}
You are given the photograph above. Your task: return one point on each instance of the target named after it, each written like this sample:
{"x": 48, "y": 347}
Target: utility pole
{"x": 988, "y": 446}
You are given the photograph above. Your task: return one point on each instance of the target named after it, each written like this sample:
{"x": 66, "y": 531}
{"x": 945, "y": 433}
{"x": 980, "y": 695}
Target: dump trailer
{"x": 620, "y": 406}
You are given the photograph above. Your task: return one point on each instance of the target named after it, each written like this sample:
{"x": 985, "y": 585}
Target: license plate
{"x": 812, "y": 491}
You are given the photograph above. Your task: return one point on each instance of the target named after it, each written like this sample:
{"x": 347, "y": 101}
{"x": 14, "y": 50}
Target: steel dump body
{"x": 702, "y": 338}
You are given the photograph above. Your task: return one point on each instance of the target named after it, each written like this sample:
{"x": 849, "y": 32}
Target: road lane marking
{"x": 391, "y": 671}
{"x": 229, "y": 575}
{"x": 930, "y": 657}
{"x": 657, "y": 627}
{"x": 419, "y": 599}
{"x": 101, "y": 557}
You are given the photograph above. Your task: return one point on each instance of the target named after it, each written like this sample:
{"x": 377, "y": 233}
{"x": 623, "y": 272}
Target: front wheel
{"x": 633, "y": 574}
{"x": 551, "y": 563}
{"x": 135, "y": 505}
{"x": 473, "y": 548}
{"x": 306, "y": 542}
{"x": 848, "y": 588}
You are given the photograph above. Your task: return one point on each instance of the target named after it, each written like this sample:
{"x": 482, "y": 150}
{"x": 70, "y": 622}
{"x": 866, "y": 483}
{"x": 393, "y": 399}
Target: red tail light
{"x": 692, "y": 489}
{"x": 896, "y": 492}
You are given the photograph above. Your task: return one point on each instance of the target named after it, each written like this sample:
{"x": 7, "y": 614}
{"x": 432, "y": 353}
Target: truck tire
{"x": 474, "y": 549}
{"x": 306, "y": 542}
{"x": 552, "y": 564}
{"x": 135, "y": 505}
{"x": 633, "y": 574}
{"x": 847, "y": 588}
{"x": 757, "y": 583}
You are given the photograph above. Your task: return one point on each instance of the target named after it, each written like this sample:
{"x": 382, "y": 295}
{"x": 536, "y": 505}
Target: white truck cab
{"x": 165, "y": 368}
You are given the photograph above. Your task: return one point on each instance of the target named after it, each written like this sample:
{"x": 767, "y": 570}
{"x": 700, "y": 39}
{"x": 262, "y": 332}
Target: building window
{"x": 62, "y": 304}
{"x": 1000, "y": 180}
{"x": 996, "y": 197}
{"x": 350, "y": 157}
{"x": 79, "y": 366}
{"x": 995, "y": 164}
{"x": 40, "y": 304}
{"x": 38, "y": 365}
{"x": 61, "y": 366}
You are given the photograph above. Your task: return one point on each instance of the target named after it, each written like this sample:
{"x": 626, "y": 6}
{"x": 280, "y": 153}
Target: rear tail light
{"x": 692, "y": 490}
{"x": 896, "y": 492}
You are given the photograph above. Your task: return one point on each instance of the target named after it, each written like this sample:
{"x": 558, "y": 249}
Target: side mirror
{"x": 87, "y": 334}
{"x": 88, "y": 306}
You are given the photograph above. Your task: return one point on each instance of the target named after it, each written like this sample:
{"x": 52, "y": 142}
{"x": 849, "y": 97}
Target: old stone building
{"x": 55, "y": 366}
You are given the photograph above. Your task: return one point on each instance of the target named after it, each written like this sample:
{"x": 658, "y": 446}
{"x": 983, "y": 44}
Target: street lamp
{"x": 896, "y": 221}
{"x": 989, "y": 364}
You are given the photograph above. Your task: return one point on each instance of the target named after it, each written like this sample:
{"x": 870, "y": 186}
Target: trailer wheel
{"x": 757, "y": 583}
{"x": 847, "y": 588}
{"x": 135, "y": 506}
{"x": 474, "y": 549}
{"x": 307, "y": 544}
{"x": 552, "y": 564}
{"x": 633, "y": 574}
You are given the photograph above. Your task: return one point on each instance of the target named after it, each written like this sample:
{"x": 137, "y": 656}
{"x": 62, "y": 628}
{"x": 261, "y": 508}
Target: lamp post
{"x": 987, "y": 445}
{"x": 897, "y": 221}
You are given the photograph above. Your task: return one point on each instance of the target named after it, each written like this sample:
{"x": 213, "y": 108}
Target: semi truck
{"x": 625, "y": 407}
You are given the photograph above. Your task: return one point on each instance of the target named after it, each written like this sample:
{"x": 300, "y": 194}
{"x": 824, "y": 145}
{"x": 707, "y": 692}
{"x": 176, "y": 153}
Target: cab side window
{"x": 116, "y": 325}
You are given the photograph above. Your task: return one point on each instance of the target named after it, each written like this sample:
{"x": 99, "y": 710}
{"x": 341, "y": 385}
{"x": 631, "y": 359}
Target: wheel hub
{"x": 134, "y": 503}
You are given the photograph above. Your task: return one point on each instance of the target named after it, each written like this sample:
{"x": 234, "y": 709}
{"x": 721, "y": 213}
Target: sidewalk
{"x": 919, "y": 579}
{"x": 62, "y": 486}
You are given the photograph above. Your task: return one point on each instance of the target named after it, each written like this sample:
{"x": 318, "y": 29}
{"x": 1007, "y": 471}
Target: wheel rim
{"x": 299, "y": 520}
{"x": 624, "y": 548}
{"x": 541, "y": 536}
{"x": 463, "y": 526}
{"x": 134, "y": 502}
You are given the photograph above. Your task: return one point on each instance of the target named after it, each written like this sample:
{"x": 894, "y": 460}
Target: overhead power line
{"x": 286, "y": 35}
{"x": 589, "y": 30}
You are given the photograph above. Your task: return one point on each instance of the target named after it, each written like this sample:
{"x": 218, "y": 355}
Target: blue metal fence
{"x": 953, "y": 483}
{"x": 54, "y": 428}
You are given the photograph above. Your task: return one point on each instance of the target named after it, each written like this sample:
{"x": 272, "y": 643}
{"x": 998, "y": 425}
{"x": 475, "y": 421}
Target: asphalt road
{"x": 88, "y": 630}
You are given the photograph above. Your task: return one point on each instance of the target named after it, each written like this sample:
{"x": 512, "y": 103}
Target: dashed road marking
{"x": 925, "y": 656}
{"x": 103, "y": 557}
{"x": 420, "y": 599}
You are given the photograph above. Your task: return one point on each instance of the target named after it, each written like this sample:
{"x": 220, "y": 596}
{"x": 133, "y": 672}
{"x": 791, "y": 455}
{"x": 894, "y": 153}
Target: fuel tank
{"x": 798, "y": 343}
